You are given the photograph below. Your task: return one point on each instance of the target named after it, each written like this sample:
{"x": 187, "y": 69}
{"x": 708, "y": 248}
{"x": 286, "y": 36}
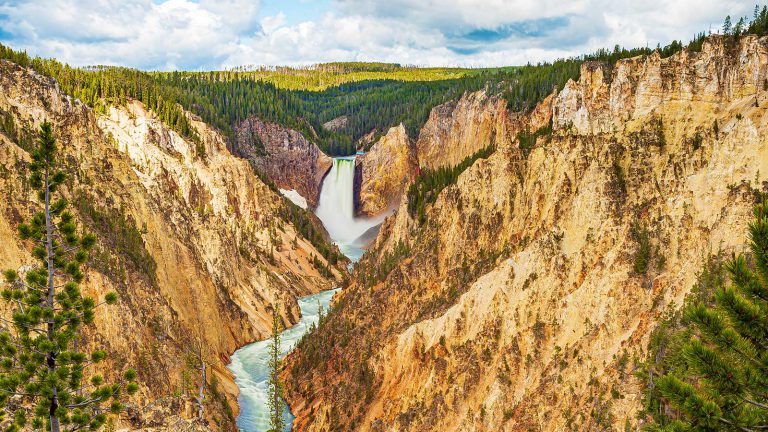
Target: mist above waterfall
{"x": 336, "y": 208}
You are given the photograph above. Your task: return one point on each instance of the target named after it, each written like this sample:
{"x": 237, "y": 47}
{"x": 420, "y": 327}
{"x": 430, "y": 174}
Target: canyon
{"x": 523, "y": 298}
{"x": 195, "y": 244}
{"x": 517, "y": 303}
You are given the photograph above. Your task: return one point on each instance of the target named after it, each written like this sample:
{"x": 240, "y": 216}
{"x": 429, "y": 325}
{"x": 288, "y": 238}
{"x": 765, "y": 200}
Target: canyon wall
{"x": 521, "y": 304}
{"x": 458, "y": 129}
{"x": 284, "y": 156}
{"x": 197, "y": 247}
{"x": 385, "y": 172}
{"x": 454, "y": 131}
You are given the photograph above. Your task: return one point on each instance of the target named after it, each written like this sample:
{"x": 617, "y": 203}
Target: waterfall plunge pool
{"x": 336, "y": 209}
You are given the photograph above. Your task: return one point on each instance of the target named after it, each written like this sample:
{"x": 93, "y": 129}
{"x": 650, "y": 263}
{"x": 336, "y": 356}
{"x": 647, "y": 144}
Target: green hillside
{"x": 371, "y": 96}
{"x": 323, "y": 76}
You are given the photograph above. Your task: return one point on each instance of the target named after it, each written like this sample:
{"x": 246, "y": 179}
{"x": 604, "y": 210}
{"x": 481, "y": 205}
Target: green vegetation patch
{"x": 706, "y": 368}
{"x": 430, "y": 183}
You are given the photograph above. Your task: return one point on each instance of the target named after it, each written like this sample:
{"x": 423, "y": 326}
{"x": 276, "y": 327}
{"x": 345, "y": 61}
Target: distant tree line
{"x": 758, "y": 25}
{"x": 372, "y": 96}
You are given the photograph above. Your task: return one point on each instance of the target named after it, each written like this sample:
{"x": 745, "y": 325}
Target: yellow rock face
{"x": 458, "y": 129}
{"x": 517, "y": 306}
{"x": 214, "y": 253}
{"x": 385, "y": 172}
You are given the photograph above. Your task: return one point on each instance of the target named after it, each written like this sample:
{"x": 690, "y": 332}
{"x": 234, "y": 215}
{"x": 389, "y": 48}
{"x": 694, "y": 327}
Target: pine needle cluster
{"x": 720, "y": 378}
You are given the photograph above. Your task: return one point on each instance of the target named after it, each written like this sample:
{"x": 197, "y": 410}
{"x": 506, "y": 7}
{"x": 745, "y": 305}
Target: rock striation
{"x": 385, "y": 172}
{"x": 196, "y": 245}
{"x": 284, "y": 155}
{"x": 518, "y": 305}
{"x": 458, "y": 129}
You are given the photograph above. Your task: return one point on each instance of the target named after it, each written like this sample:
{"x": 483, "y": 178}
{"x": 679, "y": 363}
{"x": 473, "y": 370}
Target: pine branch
{"x": 26, "y": 327}
{"x": 29, "y": 287}
{"x": 92, "y": 401}
{"x": 739, "y": 427}
{"x": 17, "y": 393}
{"x": 28, "y": 348}
{"x": 757, "y": 404}
{"x": 67, "y": 249}
{"x": 20, "y": 306}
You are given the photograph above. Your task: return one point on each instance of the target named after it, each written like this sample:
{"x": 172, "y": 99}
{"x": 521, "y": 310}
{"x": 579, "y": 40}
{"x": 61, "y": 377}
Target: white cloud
{"x": 192, "y": 34}
{"x": 173, "y": 34}
{"x": 271, "y": 23}
{"x": 464, "y": 13}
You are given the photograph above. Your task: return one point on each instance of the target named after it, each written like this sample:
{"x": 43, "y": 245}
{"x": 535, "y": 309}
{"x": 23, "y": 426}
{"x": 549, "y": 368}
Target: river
{"x": 249, "y": 364}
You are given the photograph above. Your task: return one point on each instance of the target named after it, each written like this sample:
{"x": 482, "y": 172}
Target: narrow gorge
{"x": 250, "y": 364}
{"x": 541, "y": 247}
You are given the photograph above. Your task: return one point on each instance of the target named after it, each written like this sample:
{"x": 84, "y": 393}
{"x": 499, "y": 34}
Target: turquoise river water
{"x": 249, "y": 364}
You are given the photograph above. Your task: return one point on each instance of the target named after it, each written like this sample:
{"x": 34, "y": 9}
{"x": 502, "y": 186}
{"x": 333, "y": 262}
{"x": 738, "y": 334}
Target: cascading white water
{"x": 337, "y": 204}
{"x": 336, "y": 210}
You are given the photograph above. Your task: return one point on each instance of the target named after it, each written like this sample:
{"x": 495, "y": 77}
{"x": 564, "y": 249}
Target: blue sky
{"x": 215, "y": 34}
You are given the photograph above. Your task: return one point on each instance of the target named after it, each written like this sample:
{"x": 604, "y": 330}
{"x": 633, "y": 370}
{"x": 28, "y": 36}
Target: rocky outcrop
{"x": 517, "y": 304}
{"x": 194, "y": 243}
{"x": 458, "y": 129}
{"x": 289, "y": 160}
{"x": 337, "y": 123}
{"x": 385, "y": 172}
{"x": 366, "y": 141}
{"x": 607, "y": 100}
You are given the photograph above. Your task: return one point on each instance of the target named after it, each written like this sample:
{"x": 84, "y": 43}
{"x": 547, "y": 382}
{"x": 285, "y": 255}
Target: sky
{"x": 219, "y": 34}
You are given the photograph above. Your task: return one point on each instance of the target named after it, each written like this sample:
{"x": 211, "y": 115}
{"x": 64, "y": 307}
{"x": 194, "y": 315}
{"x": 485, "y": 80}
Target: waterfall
{"x": 336, "y": 208}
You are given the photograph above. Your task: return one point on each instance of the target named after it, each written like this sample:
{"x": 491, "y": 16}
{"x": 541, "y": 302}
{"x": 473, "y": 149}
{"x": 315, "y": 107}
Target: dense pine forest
{"x": 326, "y": 75}
{"x": 369, "y": 97}
{"x": 225, "y": 98}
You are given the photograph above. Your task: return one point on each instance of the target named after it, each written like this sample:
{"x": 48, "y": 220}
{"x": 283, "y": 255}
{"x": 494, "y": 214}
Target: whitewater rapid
{"x": 251, "y": 369}
{"x": 336, "y": 209}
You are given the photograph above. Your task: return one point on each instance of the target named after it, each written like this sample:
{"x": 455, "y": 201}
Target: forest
{"x": 225, "y": 98}
{"x": 371, "y": 97}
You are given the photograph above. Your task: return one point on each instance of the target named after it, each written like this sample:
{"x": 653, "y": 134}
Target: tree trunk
{"x": 55, "y": 427}
{"x": 201, "y": 397}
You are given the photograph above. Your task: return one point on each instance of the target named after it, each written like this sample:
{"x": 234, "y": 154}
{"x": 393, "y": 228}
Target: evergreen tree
{"x": 198, "y": 359}
{"x": 720, "y": 378}
{"x": 727, "y": 25}
{"x": 41, "y": 369}
{"x": 276, "y": 404}
{"x": 739, "y": 27}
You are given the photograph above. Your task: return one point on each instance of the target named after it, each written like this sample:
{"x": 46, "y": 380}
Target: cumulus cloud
{"x": 451, "y": 14}
{"x": 168, "y": 35}
{"x": 206, "y": 34}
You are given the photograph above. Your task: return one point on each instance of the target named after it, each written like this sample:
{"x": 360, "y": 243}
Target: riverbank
{"x": 251, "y": 369}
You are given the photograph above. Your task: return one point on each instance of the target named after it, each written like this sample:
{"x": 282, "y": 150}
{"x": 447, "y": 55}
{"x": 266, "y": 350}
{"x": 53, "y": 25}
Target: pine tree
{"x": 727, "y": 26}
{"x": 276, "y": 404}
{"x": 739, "y": 27}
{"x": 722, "y": 383}
{"x": 41, "y": 369}
{"x": 198, "y": 358}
